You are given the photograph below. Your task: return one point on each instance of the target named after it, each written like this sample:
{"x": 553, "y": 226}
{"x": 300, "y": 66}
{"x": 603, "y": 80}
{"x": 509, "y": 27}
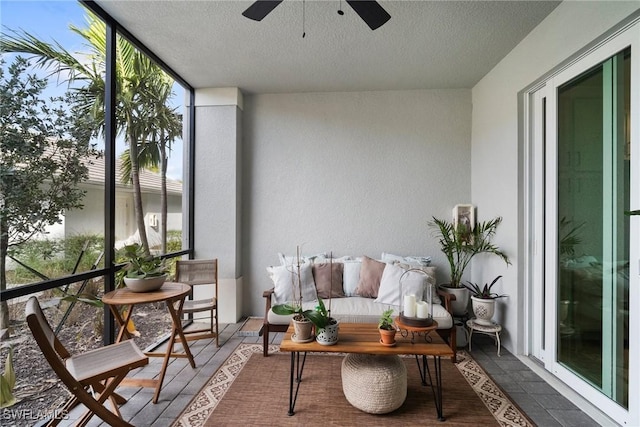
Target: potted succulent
{"x": 460, "y": 244}
{"x": 483, "y": 301}
{"x": 143, "y": 272}
{"x": 387, "y": 328}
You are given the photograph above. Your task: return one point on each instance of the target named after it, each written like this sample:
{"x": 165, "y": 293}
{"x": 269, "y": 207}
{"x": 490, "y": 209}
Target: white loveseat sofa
{"x": 360, "y": 289}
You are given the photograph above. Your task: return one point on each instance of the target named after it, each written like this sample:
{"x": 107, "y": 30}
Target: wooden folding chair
{"x": 198, "y": 272}
{"x": 91, "y": 377}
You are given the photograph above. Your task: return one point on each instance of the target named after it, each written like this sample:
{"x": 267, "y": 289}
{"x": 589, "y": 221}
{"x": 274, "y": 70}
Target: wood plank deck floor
{"x": 542, "y": 403}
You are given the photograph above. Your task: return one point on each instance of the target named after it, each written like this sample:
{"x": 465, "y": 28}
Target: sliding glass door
{"x": 593, "y": 193}
{"x": 584, "y": 266}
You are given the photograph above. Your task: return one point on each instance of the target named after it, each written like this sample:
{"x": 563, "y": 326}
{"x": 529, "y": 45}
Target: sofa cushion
{"x": 351, "y": 277}
{"x": 414, "y": 261}
{"x": 328, "y": 279}
{"x": 413, "y": 283}
{"x": 285, "y": 282}
{"x": 360, "y": 310}
{"x": 293, "y": 259}
{"x": 370, "y": 275}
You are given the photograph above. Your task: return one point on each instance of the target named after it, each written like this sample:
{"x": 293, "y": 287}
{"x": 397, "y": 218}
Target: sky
{"x": 49, "y": 21}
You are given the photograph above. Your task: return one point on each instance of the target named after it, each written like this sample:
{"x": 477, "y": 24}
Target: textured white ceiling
{"x": 425, "y": 45}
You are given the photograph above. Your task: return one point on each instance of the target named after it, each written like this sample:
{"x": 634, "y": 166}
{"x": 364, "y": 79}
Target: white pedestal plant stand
{"x": 492, "y": 330}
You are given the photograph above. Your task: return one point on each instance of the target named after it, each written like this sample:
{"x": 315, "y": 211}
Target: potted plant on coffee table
{"x": 302, "y": 326}
{"x": 460, "y": 244}
{"x": 326, "y": 326}
{"x": 387, "y": 328}
{"x": 483, "y": 301}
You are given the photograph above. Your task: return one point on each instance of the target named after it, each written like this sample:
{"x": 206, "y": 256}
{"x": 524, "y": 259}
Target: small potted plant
{"x": 483, "y": 301}
{"x": 387, "y": 329}
{"x": 326, "y": 326}
{"x": 302, "y": 326}
{"x": 143, "y": 272}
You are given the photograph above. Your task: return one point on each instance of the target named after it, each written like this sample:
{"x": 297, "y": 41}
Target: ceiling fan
{"x": 369, "y": 10}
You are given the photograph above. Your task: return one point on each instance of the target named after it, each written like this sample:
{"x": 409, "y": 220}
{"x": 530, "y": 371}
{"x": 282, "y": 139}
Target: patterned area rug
{"x": 457, "y": 407}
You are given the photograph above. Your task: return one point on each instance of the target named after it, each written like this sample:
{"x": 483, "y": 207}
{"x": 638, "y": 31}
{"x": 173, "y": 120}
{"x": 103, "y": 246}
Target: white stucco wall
{"x": 495, "y": 146}
{"x": 354, "y": 173}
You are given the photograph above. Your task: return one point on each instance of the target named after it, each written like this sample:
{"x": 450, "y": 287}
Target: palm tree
{"x": 167, "y": 127}
{"x": 138, "y": 89}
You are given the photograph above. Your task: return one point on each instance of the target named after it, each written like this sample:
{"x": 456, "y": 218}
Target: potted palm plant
{"x": 483, "y": 301}
{"x": 387, "y": 328}
{"x": 460, "y": 244}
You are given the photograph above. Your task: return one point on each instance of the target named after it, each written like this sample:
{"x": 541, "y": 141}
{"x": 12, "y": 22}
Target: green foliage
{"x": 8, "y": 382}
{"x": 319, "y": 317}
{"x": 460, "y": 245}
{"x": 44, "y": 155}
{"x": 386, "y": 322}
{"x": 55, "y": 257}
{"x": 485, "y": 291}
{"x": 140, "y": 265}
{"x": 569, "y": 238}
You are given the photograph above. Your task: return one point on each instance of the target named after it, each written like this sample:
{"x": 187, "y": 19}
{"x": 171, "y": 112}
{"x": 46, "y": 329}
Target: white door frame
{"x": 541, "y": 341}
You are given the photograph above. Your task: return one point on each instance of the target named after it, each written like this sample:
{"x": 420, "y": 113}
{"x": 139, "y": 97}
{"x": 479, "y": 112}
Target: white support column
{"x": 218, "y": 191}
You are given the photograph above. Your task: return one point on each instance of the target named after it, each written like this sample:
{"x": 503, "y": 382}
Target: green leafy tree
{"x": 44, "y": 149}
{"x": 138, "y": 89}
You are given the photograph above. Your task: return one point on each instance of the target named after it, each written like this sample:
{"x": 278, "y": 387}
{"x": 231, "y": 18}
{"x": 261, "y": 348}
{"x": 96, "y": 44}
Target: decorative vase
{"x": 302, "y": 330}
{"x": 460, "y": 304}
{"x": 483, "y": 309}
{"x": 329, "y": 334}
{"x": 146, "y": 284}
{"x": 387, "y": 337}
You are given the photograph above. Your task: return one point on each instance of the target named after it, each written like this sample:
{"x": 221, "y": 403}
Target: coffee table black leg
{"x": 297, "y": 368}
{"x": 438, "y": 392}
{"x": 435, "y": 383}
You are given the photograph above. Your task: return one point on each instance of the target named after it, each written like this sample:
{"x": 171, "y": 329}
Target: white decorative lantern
{"x": 414, "y": 311}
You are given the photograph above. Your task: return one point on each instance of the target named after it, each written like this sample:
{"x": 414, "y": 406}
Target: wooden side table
{"x": 415, "y": 330}
{"x": 492, "y": 330}
{"x": 170, "y": 293}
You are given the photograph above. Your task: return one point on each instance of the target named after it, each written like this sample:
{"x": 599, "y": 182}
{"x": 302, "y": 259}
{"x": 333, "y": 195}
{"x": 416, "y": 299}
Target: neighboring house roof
{"x": 149, "y": 181}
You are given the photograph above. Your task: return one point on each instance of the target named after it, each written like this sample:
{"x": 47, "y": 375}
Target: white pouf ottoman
{"x": 376, "y": 384}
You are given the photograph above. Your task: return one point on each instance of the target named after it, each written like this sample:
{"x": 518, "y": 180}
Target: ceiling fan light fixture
{"x": 369, "y": 11}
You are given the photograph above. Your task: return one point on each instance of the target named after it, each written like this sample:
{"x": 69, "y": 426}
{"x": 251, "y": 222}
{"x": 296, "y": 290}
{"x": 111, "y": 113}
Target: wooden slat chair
{"x": 91, "y": 377}
{"x": 198, "y": 272}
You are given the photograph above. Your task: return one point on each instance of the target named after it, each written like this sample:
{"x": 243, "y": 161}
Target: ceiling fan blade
{"x": 261, "y": 8}
{"x": 371, "y": 12}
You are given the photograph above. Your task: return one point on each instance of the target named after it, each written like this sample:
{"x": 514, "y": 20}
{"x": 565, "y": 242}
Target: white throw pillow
{"x": 412, "y": 283}
{"x": 285, "y": 283}
{"x": 293, "y": 259}
{"x": 351, "y": 277}
{"x": 414, "y": 261}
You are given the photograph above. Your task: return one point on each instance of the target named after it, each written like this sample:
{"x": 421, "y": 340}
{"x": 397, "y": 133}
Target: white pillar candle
{"x": 410, "y": 305}
{"x": 422, "y": 309}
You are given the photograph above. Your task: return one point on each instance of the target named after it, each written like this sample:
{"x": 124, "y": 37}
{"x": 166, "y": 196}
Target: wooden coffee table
{"x": 365, "y": 338}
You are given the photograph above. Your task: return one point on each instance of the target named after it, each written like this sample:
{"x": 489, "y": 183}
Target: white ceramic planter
{"x": 328, "y": 335}
{"x": 145, "y": 285}
{"x": 460, "y": 304}
{"x": 483, "y": 309}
